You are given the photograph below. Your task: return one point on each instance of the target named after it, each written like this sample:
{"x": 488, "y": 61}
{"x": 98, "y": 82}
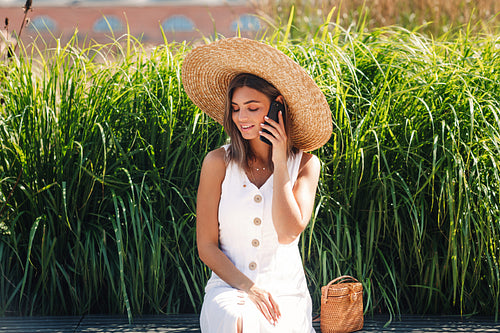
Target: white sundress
{"x": 248, "y": 238}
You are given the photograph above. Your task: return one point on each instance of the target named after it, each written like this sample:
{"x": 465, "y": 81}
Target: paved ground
{"x": 189, "y": 323}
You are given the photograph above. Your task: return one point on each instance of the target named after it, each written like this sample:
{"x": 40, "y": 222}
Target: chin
{"x": 249, "y": 136}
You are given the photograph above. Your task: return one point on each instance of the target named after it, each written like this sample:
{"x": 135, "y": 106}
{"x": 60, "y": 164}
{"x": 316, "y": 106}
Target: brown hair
{"x": 239, "y": 150}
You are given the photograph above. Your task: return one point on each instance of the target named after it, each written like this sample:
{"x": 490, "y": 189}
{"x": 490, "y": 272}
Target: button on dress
{"x": 248, "y": 238}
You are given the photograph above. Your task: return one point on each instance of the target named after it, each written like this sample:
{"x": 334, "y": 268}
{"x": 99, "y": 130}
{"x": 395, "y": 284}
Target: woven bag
{"x": 341, "y": 306}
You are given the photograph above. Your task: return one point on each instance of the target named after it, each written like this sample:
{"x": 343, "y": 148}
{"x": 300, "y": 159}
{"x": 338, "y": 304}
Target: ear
{"x": 280, "y": 99}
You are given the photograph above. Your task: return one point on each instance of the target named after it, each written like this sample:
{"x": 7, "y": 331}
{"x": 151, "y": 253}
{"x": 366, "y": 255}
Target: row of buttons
{"x": 255, "y": 243}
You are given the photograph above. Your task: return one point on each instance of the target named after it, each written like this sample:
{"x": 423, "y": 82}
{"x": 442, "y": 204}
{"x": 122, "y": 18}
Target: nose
{"x": 243, "y": 114}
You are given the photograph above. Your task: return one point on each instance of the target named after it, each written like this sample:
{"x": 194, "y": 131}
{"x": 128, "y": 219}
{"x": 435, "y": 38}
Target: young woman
{"x": 254, "y": 198}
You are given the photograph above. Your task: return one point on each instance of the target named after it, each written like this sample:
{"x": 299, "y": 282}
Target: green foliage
{"x": 107, "y": 149}
{"x": 100, "y": 151}
{"x": 429, "y": 17}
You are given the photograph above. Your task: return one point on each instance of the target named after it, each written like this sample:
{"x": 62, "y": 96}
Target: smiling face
{"x": 247, "y": 102}
{"x": 249, "y": 106}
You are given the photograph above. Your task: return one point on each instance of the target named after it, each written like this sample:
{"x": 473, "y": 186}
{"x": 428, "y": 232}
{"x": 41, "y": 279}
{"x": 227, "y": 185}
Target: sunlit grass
{"x": 100, "y": 151}
{"x": 435, "y": 17}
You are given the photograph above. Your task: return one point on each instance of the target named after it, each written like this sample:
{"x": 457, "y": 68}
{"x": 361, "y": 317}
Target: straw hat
{"x": 208, "y": 70}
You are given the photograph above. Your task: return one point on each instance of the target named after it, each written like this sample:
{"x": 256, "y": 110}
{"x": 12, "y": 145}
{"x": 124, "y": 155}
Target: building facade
{"x": 147, "y": 20}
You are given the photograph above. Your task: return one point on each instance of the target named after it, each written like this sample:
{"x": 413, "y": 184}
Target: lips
{"x": 246, "y": 127}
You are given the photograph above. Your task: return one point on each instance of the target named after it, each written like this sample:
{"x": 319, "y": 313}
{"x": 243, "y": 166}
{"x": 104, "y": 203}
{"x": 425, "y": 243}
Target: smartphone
{"x": 274, "y": 109}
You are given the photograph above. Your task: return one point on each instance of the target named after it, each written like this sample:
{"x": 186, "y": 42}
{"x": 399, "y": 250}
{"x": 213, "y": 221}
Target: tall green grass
{"x": 101, "y": 150}
{"x": 107, "y": 149}
{"x": 409, "y": 193}
{"x": 432, "y": 17}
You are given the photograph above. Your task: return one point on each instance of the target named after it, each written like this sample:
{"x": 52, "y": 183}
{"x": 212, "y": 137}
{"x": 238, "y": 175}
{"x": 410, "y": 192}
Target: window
{"x": 42, "y": 23}
{"x": 179, "y": 23}
{"x": 108, "y": 24}
{"x": 246, "y": 22}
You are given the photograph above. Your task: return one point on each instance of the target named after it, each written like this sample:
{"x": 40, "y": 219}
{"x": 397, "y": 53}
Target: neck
{"x": 261, "y": 151}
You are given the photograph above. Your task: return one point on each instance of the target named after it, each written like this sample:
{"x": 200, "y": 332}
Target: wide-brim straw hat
{"x": 208, "y": 69}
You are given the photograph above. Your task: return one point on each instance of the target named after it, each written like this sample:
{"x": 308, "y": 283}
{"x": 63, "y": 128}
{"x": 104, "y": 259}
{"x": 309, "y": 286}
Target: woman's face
{"x": 249, "y": 107}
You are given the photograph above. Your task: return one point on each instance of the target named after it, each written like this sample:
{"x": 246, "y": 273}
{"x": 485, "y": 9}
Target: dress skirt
{"x": 223, "y": 306}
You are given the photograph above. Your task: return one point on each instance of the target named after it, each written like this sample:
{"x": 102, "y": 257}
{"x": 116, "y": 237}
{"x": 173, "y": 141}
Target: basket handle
{"x": 340, "y": 278}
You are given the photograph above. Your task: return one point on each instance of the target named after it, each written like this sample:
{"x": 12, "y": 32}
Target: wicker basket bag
{"x": 342, "y": 306}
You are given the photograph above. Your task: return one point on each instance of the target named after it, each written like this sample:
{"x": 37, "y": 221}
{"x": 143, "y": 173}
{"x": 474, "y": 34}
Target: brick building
{"x": 98, "y": 19}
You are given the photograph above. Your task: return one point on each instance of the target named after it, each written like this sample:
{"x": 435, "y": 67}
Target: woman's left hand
{"x": 278, "y": 138}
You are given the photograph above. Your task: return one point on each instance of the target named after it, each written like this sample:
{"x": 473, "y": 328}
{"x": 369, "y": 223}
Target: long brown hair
{"x": 239, "y": 150}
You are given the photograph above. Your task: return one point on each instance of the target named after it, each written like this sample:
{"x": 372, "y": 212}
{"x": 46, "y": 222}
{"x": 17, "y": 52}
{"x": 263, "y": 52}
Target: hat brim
{"x": 208, "y": 69}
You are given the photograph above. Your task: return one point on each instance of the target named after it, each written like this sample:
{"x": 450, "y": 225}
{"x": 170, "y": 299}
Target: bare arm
{"x": 207, "y": 225}
{"x": 292, "y": 207}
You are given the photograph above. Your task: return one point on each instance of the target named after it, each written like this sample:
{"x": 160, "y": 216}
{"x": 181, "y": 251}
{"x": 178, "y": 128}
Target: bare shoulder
{"x": 307, "y": 181}
{"x": 214, "y": 164}
{"x": 216, "y": 157}
{"x": 310, "y": 163}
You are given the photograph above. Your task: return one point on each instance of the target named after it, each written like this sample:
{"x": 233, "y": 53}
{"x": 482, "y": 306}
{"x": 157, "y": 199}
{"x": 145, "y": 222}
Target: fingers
{"x": 279, "y": 126}
{"x": 280, "y": 118}
{"x": 267, "y": 309}
{"x": 277, "y": 130}
{"x": 276, "y": 308}
{"x": 265, "y": 303}
{"x": 268, "y": 312}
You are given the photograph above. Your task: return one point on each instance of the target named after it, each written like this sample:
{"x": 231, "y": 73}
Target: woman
{"x": 255, "y": 199}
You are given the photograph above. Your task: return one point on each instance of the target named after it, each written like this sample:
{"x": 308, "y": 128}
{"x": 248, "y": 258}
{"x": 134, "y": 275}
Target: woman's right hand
{"x": 265, "y": 303}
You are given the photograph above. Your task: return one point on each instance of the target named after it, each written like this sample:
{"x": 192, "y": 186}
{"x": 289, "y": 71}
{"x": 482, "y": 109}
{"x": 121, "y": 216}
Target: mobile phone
{"x": 274, "y": 109}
